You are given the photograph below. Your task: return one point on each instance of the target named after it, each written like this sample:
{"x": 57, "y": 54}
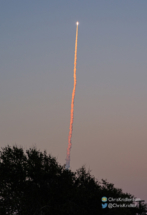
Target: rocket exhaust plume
{"x": 72, "y": 103}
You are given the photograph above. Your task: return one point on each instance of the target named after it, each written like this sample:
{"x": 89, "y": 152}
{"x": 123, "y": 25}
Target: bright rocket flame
{"x": 72, "y": 103}
{"x": 77, "y": 23}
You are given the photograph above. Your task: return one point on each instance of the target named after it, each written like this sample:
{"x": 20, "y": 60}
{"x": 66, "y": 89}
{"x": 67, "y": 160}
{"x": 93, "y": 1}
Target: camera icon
{"x": 104, "y": 199}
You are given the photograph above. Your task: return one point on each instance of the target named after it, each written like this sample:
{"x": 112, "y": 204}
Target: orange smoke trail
{"x": 72, "y": 104}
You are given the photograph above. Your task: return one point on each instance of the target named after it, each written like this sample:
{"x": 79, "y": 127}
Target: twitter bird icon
{"x": 104, "y": 205}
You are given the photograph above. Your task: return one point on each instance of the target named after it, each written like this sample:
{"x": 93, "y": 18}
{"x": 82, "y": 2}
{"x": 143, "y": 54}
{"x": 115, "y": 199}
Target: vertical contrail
{"x": 72, "y": 103}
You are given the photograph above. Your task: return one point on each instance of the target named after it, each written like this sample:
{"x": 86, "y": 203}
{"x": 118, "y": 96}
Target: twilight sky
{"x": 36, "y": 80}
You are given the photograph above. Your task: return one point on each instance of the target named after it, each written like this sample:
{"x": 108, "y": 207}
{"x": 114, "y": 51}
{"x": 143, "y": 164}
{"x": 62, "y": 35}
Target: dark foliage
{"x": 33, "y": 183}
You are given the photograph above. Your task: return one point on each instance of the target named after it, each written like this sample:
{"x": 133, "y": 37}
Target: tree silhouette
{"x": 33, "y": 183}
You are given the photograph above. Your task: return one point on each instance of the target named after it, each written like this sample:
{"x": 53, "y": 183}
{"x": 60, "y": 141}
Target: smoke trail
{"x": 72, "y": 104}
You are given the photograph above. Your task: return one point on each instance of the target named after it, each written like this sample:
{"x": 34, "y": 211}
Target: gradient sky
{"x": 36, "y": 80}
